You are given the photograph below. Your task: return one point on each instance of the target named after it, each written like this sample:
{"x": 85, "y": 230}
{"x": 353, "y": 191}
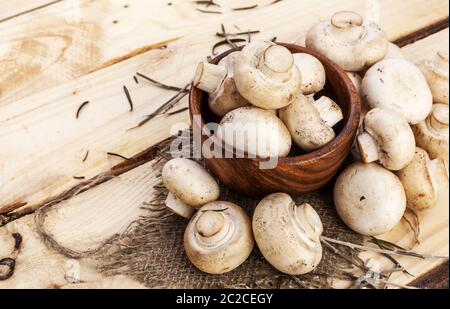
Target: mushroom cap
{"x": 394, "y": 52}
{"x": 432, "y": 134}
{"x": 369, "y": 199}
{"x": 393, "y": 136}
{"x": 288, "y": 234}
{"x": 219, "y": 237}
{"x": 356, "y": 80}
{"x": 418, "y": 182}
{"x": 436, "y": 72}
{"x": 399, "y": 85}
{"x": 190, "y": 182}
{"x": 348, "y": 40}
{"x": 226, "y": 99}
{"x": 309, "y": 131}
{"x": 258, "y": 132}
{"x": 266, "y": 76}
{"x": 312, "y": 71}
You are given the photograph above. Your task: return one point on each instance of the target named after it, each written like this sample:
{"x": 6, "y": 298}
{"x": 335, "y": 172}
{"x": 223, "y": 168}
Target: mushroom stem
{"x": 329, "y": 111}
{"x": 209, "y": 77}
{"x": 178, "y": 207}
{"x": 439, "y": 119}
{"x": 438, "y": 170}
{"x": 275, "y": 62}
{"x": 347, "y": 26}
{"x": 367, "y": 147}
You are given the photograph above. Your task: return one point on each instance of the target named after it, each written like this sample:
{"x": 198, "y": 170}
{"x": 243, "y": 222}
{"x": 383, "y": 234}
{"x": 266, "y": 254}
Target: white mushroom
{"x": 218, "y": 81}
{"x": 190, "y": 182}
{"x": 399, "y": 85}
{"x": 312, "y": 71}
{"x": 421, "y": 180}
{"x": 258, "y": 132}
{"x": 265, "y": 75}
{"x": 436, "y": 73}
{"x": 219, "y": 237}
{"x": 432, "y": 134}
{"x": 369, "y": 199}
{"x": 394, "y": 52}
{"x": 349, "y": 40}
{"x": 288, "y": 235}
{"x": 356, "y": 80}
{"x": 179, "y": 207}
{"x": 311, "y": 129}
{"x": 387, "y": 138}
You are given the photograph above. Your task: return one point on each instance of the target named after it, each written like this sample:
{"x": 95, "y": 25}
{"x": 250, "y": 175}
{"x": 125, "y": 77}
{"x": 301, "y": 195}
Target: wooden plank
{"x": 69, "y": 39}
{"x": 12, "y": 9}
{"x": 41, "y": 129}
{"x": 97, "y": 209}
{"x": 83, "y": 223}
{"x": 434, "y": 223}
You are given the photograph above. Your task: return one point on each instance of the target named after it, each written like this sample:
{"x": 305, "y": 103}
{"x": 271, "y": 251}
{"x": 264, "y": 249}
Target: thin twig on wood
{"x": 159, "y": 84}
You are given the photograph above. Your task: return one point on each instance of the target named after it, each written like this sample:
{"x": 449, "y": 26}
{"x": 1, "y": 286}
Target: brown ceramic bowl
{"x": 299, "y": 172}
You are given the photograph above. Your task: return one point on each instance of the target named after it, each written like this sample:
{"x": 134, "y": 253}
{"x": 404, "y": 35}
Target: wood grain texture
{"x": 13, "y": 9}
{"x": 41, "y": 129}
{"x": 294, "y": 174}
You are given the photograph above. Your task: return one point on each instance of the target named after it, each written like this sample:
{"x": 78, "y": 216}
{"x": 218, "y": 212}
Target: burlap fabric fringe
{"x": 151, "y": 249}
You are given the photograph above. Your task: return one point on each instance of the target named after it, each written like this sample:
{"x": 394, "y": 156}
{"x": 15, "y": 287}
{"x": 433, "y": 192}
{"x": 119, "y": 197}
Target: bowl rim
{"x": 349, "y": 129}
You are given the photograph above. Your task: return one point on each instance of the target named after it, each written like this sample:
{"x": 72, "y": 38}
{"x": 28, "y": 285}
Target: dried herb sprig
{"x": 225, "y": 42}
{"x": 117, "y": 155}
{"x": 208, "y": 3}
{"x": 79, "y": 177}
{"x": 244, "y": 8}
{"x": 223, "y": 35}
{"x": 395, "y": 251}
{"x": 127, "y": 94}
{"x": 414, "y": 226}
{"x": 178, "y": 111}
{"x": 80, "y": 108}
{"x": 159, "y": 84}
{"x": 86, "y": 155}
{"x": 208, "y": 11}
{"x": 166, "y": 105}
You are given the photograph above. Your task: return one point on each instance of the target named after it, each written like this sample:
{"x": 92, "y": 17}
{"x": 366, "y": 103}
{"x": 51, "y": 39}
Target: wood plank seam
{"x": 30, "y": 10}
{"x": 422, "y": 33}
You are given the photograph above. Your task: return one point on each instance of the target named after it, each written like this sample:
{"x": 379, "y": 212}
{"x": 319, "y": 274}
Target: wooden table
{"x": 55, "y": 55}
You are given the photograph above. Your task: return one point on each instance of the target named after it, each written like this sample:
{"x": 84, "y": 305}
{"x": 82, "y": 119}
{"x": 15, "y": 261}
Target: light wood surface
{"x": 44, "y": 77}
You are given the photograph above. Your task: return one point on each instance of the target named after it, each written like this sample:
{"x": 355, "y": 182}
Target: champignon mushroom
{"x": 219, "y": 237}
{"x": 287, "y": 234}
{"x": 312, "y": 71}
{"x": 421, "y": 180}
{"x": 179, "y": 207}
{"x": 369, "y": 199}
{"x": 394, "y": 52}
{"x": 436, "y": 73}
{"x": 399, "y": 85}
{"x": 311, "y": 129}
{"x": 356, "y": 80}
{"x": 265, "y": 75}
{"x": 189, "y": 182}
{"x": 218, "y": 81}
{"x": 432, "y": 134}
{"x": 256, "y": 131}
{"x": 349, "y": 40}
{"x": 387, "y": 138}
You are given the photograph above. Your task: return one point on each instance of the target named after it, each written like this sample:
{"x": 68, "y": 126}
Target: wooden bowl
{"x": 299, "y": 172}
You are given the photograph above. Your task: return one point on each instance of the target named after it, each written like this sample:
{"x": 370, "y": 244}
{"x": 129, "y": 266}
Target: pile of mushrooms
{"x": 397, "y": 116}
{"x": 401, "y": 147}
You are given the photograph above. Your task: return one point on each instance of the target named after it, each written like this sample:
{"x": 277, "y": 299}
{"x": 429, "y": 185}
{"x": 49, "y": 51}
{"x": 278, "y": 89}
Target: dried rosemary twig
{"x": 207, "y": 3}
{"x": 159, "y": 84}
{"x": 250, "y": 7}
{"x": 79, "y": 177}
{"x": 396, "y": 251}
{"x": 86, "y": 155}
{"x": 117, "y": 155}
{"x": 166, "y": 105}
{"x": 208, "y": 11}
{"x": 224, "y": 42}
{"x": 178, "y": 111}
{"x": 223, "y": 35}
{"x": 80, "y": 108}
{"x": 414, "y": 226}
{"x": 127, "y": 94}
